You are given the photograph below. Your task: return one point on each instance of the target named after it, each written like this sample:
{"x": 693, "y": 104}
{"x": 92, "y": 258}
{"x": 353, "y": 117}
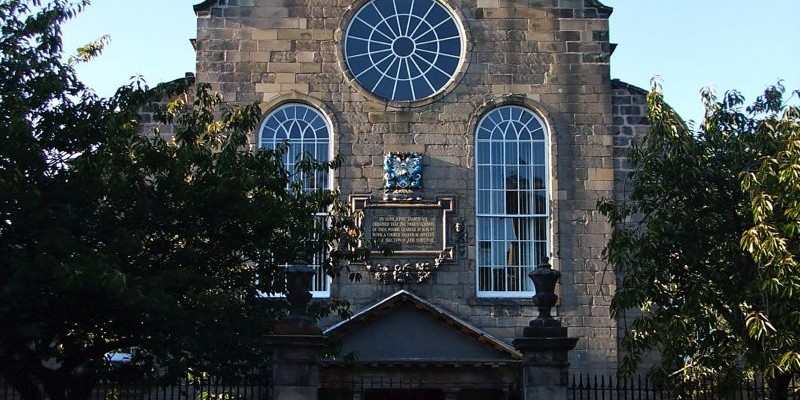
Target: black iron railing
{"x": 599, "y": 387}
{"x": 581, "y": 387}
{"x": 206, "y": 389}
{"x": 377, "y": 388}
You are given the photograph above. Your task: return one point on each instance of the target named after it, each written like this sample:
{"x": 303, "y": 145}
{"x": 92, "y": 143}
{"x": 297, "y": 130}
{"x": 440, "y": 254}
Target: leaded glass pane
{"x": 403, "y": 50}
{"x": 306, "y": 132}
{"x": 512, "y": 212}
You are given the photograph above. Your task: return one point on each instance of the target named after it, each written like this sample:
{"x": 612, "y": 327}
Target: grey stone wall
{"x": 629, "y": 108}
{"x": 630, "y": 124}
{"x": 549, "y": 55}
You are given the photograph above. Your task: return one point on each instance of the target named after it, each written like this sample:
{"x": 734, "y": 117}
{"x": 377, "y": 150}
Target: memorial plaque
{"x": 416, "y": 232}
{"x": 406, "y": 227}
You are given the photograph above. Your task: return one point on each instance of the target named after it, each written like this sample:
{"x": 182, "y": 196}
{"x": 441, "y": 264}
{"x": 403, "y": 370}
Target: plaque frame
{"x": 439, "y": 252}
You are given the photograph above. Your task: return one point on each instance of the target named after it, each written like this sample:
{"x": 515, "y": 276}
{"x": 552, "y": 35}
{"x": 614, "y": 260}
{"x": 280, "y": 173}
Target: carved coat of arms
{"x": 403, "y": 175}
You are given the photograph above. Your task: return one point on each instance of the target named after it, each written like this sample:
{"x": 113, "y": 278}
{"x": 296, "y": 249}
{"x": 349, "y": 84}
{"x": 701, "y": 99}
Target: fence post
{"x": 297, "y": 342}
{"x": 545, "y": 345}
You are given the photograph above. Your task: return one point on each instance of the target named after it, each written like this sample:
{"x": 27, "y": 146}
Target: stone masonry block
{"x": 603, "y": 174}
{"x": 268, "y": 87}
{"x": 488, "y": 3}
{"x": 281, "y": 69}
{"x": 322, "y": 34}
{"x": 294, "y": 87}
{"x": 310, "y": 68}
{"x": 267, "y": 45}
{"x": 268, "y": 34}
{"x": 285, "y": 77}
{"x": 294, "y": 34}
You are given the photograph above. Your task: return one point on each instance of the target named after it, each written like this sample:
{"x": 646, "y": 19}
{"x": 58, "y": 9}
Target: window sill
{"x": 500, "y": 301}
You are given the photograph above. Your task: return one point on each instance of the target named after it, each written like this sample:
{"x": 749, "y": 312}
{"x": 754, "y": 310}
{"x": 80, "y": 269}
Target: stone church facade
{"x": 509, "y": 108}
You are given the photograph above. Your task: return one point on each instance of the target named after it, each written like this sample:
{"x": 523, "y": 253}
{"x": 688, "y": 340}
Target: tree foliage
{"x": 707, "y": 243}
{"x": 111, "y": 238}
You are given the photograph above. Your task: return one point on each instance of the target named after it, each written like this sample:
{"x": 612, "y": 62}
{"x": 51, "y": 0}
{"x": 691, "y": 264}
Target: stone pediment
{"x": 405, "y": 329}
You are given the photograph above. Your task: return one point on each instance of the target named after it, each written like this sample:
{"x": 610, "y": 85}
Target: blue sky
{"x": 688, "y": 44}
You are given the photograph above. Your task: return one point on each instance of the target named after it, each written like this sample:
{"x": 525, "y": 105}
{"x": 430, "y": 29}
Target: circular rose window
{"x": 403, "y": 50}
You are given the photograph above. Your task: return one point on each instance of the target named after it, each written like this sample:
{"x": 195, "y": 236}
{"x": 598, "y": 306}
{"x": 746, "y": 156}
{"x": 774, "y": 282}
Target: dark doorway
{"x": 481, "y": 394}
{"x": 403, "y": 394}
{"x": 335, "y": 394}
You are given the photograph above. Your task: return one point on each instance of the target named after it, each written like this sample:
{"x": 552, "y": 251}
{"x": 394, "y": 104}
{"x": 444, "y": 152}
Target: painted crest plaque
{"x": 402, "y": 172}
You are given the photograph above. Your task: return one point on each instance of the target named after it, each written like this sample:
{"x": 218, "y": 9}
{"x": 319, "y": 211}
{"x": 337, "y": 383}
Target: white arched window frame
{"x": 512, "y": 200}
{"x": 307, "y": 131}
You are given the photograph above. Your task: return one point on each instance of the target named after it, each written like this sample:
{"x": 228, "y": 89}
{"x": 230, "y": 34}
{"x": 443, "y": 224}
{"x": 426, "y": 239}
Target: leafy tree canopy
{"x": 111, "y": 238}
{"x": 708, "y": 242}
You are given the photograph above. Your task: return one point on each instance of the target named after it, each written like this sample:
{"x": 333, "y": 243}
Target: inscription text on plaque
{"x": 404, "y": 229}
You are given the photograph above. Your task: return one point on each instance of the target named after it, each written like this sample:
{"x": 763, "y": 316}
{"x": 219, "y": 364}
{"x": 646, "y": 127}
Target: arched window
{"x": 307, "y": 132}
{"x": 512, "y": 200}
